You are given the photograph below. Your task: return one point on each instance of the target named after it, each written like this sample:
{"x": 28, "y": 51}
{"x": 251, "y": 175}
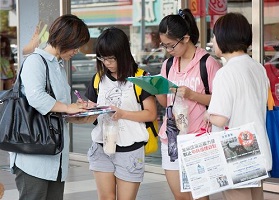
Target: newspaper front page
{"x": 223, "y": 160}
{"x": 184, "y": 182}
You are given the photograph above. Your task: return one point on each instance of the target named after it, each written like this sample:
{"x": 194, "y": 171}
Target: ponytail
{"x": 193, "y": 30}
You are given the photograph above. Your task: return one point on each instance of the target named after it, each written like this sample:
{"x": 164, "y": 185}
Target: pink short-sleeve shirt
{"x": 191, "y": 78}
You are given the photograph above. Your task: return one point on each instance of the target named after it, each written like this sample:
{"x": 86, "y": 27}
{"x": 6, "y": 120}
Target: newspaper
{"x": 184, "y": 182}
{"x": 222, "y": 160}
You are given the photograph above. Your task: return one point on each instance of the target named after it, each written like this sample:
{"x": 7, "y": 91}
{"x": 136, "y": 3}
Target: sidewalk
{"x": 81, "y": 184}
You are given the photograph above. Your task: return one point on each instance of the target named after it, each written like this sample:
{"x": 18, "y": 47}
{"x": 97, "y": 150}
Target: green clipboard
{"x": 156, "y": 84}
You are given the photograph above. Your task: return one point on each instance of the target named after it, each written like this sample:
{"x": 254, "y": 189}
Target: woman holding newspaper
{"x": 179, "y": 35}
{"x": 240, "y": 90}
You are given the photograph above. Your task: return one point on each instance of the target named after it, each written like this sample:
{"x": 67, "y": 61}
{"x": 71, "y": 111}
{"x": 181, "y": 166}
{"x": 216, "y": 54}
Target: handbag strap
{"x": 48, "y": 86}
{"x": 174, "y": 96}
{"x": 17, "y": 84}
{"x": 270, "y": 100}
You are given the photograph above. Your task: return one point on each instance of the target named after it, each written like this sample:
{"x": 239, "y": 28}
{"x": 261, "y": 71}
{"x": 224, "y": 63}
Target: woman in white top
{"x": 118, "y": 176}
{"x": 240, "y": 89}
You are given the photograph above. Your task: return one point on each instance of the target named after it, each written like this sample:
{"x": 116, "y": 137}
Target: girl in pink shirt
{"x": 179, "y": 35}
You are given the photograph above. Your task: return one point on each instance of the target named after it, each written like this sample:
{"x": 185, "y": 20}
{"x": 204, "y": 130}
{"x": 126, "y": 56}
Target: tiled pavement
{"x": 81, "y": 185}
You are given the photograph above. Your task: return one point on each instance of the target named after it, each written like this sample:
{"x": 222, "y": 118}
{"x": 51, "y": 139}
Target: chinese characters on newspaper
{"x": 221, "y": 160}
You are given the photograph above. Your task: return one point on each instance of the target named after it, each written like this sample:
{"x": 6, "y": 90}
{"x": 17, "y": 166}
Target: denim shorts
{"x": 127, "y": 166}
{"x": 166, "y": 163}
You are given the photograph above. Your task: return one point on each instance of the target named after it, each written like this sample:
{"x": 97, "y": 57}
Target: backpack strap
{"x": 96, "y": 82}
{"x": 137, "y": 89}
{"x": 168, "y": 65}
{"x": 204, "y": 75}
{"x": 203, "y": 72}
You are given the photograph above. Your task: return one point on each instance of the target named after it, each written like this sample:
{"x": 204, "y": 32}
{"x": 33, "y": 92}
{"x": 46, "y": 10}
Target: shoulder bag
{"x": 272, "y": 127}
{"x": 23, "y": 128}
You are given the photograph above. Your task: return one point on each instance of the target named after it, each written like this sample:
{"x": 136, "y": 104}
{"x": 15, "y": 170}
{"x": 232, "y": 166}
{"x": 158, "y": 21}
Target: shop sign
{"x": 100, "y": 2}
{"x": 217, "y": 7}
{"x": 151, "y": 12}
{"x": 155, "y": 10}
{"x": 197, "y": 7}
{"x": 169, "y": 7}
{"x": 104, "y": 16}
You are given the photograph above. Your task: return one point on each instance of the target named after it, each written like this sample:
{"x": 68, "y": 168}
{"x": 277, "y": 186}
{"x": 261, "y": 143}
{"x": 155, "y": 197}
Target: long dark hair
{"x": 177, "y": 26}
{"x": 114, "y": 42}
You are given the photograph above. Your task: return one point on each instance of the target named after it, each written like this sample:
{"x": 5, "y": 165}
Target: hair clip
{"x": 180, "y": 12}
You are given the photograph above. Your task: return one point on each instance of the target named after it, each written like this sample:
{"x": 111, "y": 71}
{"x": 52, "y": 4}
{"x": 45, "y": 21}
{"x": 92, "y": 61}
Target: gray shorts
{"x": 127, "y": 166}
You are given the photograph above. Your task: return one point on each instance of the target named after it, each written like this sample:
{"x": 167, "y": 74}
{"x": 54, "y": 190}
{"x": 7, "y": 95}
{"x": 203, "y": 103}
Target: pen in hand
{"x": 77, "y": 94}
{"x": 80, "y": 100}
{"x": 89, "y": 104}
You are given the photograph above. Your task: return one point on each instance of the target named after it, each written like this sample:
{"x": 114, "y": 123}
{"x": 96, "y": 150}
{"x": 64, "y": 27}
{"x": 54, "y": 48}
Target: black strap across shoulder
{"x": 203, "y": 71}
{"x": 169, "y": 64}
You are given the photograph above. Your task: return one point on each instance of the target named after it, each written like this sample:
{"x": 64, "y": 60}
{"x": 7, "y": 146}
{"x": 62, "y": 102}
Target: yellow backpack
{"x": 152, "y": 127}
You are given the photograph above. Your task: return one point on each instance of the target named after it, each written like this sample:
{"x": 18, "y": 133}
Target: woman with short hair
{"x": 240, "y": 90}
{"x": 42, "y": 177}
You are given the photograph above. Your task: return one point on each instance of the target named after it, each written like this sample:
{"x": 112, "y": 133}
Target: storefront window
{"x": 219, "y": 8}
{"x": 271, "y": 45}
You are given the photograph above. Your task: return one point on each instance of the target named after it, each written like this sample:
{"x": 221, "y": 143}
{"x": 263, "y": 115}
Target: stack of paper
{"x": 92, "y": 111}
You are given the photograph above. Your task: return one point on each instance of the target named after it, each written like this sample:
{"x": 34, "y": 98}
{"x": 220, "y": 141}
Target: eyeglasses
{"x": 171, "y": 48}
{"x": 108, "y": 60}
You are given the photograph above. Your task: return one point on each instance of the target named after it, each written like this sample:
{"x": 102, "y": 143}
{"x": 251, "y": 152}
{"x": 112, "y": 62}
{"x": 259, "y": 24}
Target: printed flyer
{"x": 222, "y": 160}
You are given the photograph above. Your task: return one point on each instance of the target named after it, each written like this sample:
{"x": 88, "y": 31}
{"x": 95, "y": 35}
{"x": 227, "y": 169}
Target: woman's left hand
{"x": 118, "y": 113}
{"x": 206, "y": 117}
{"x": 182, "y": 91}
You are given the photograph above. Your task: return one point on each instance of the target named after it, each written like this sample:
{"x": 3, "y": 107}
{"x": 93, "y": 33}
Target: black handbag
{"x": 23, "y": 128}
